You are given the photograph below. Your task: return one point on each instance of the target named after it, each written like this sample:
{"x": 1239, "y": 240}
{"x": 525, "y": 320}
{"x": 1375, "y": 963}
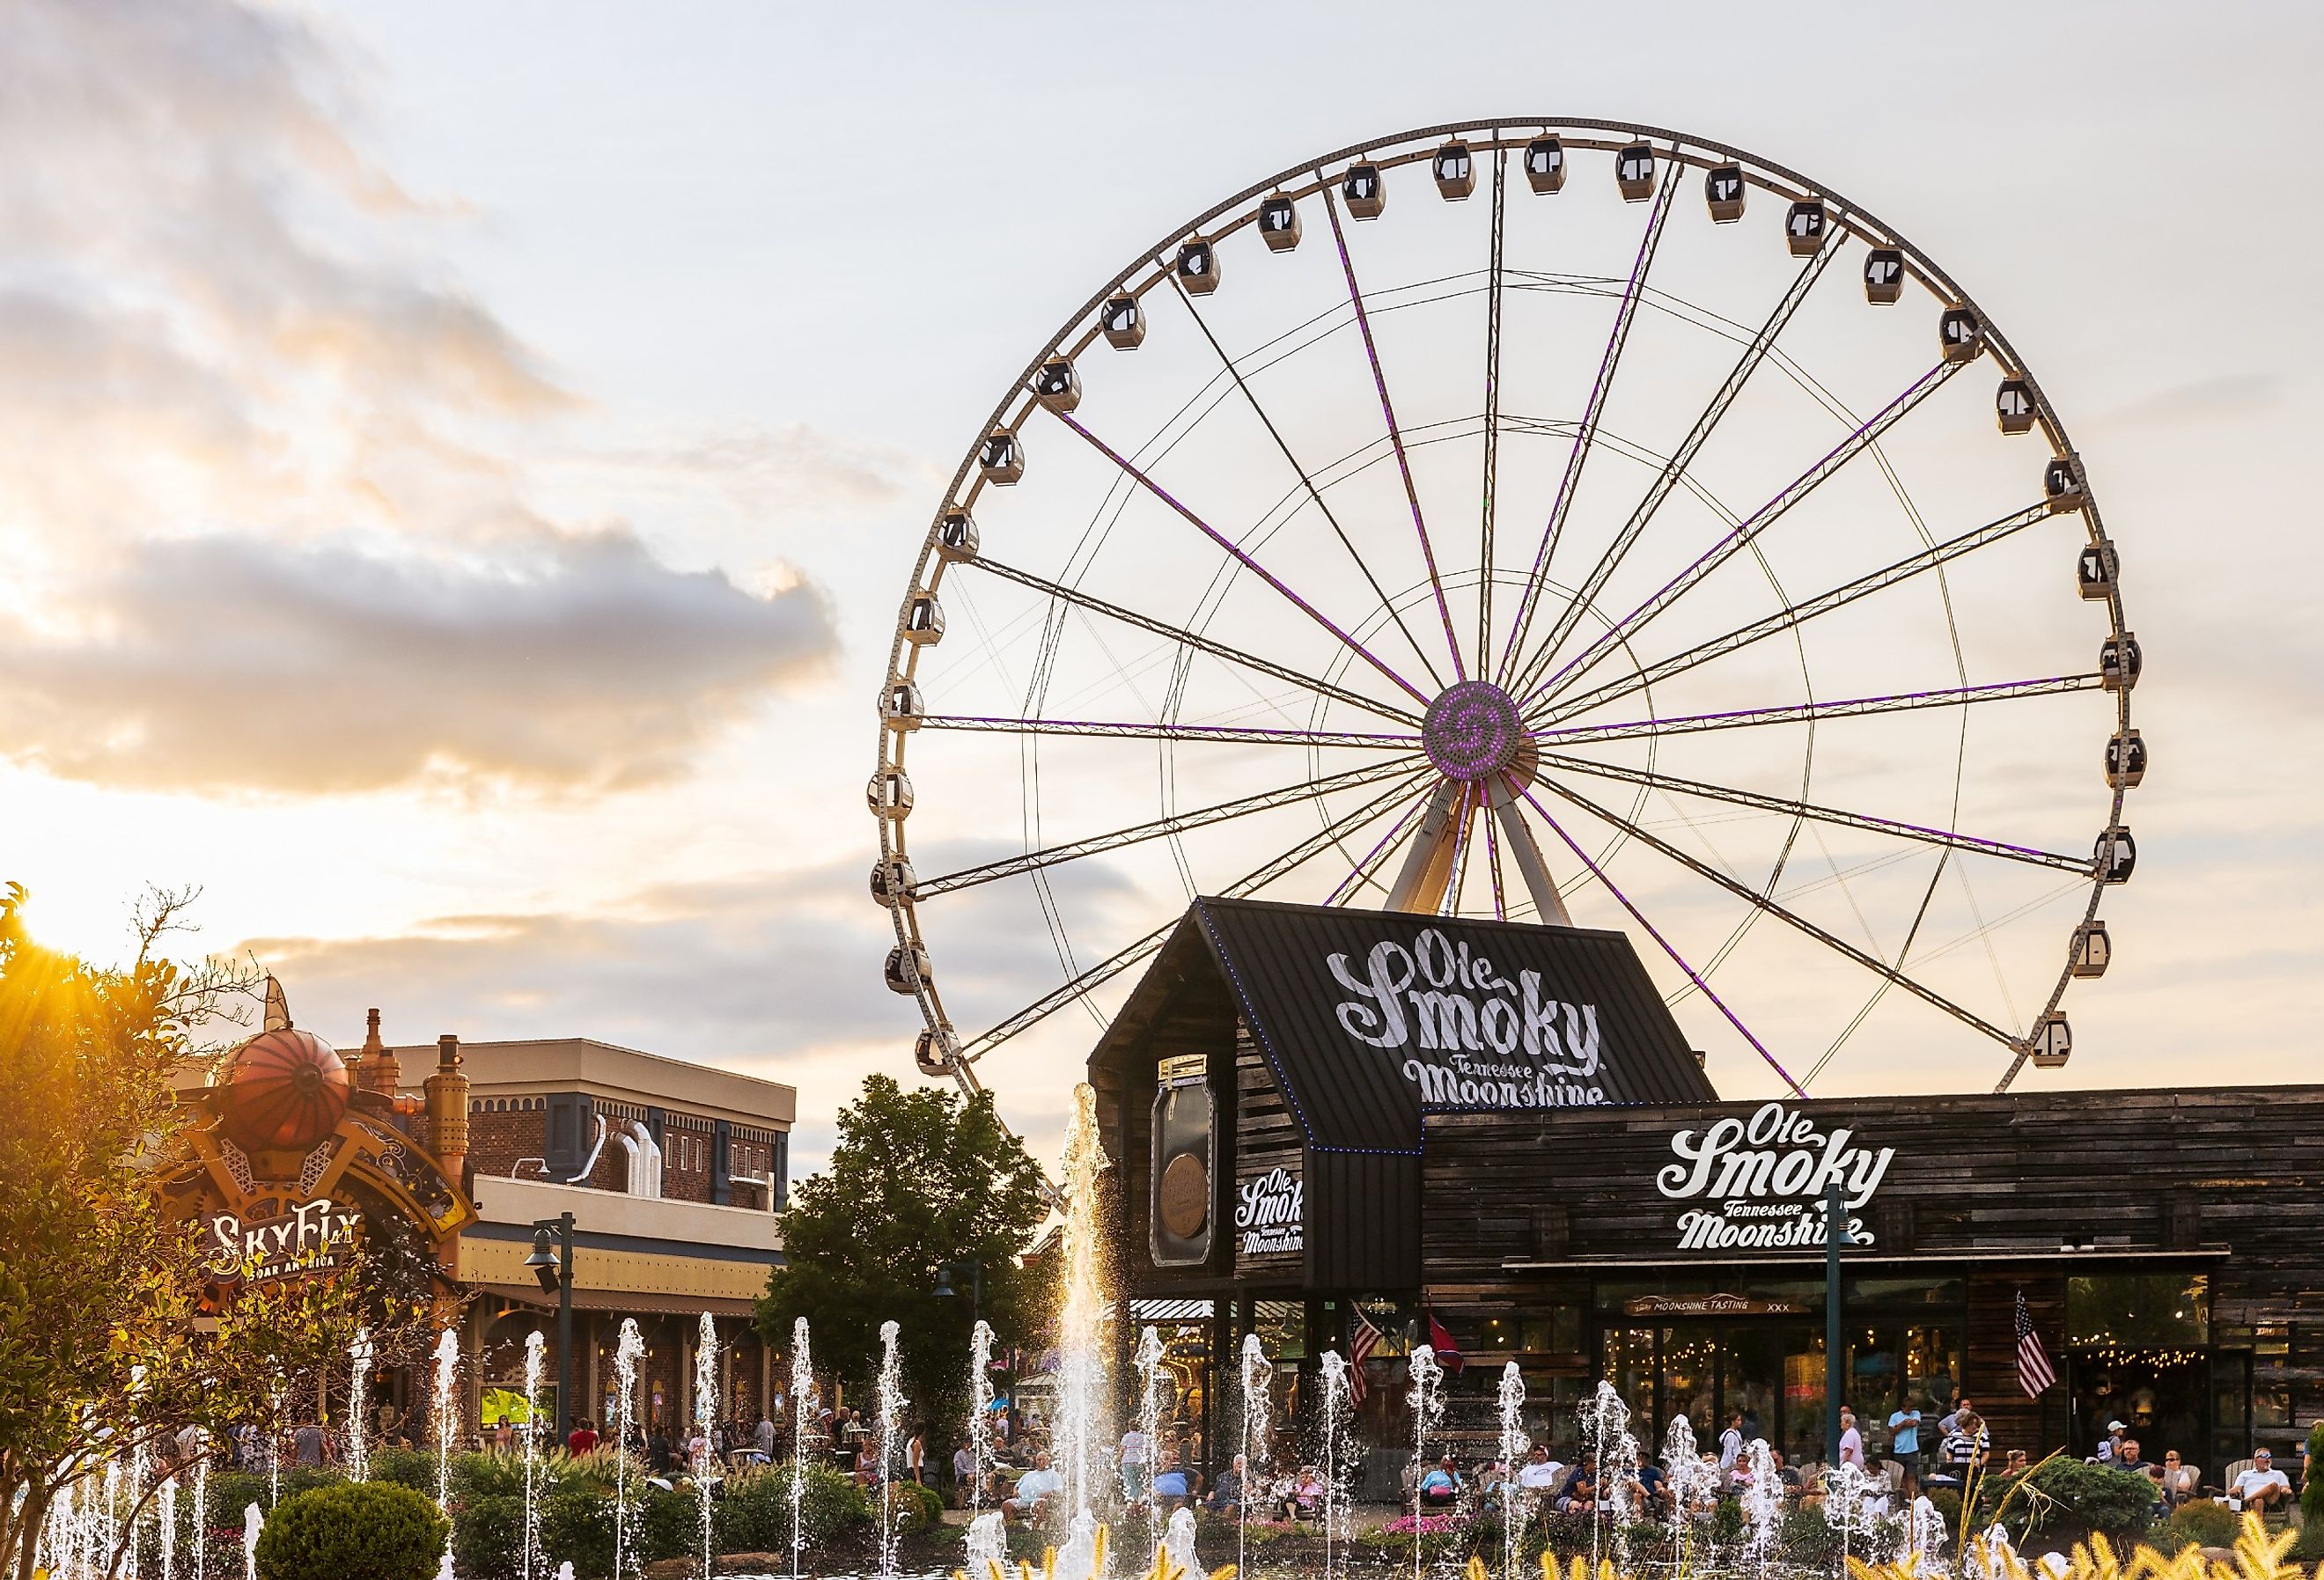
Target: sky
{"x": 462, "y": 463}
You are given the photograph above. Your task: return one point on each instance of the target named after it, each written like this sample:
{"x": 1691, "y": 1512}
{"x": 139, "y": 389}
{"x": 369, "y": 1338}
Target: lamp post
{"x": 1835, "y": 1236}
{"x": 946, "y": 1273}
{"x": 554, "y": 1269}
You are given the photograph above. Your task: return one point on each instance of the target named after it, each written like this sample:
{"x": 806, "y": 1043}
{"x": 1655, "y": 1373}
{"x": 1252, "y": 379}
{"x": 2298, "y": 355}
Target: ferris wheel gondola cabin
{"x": 1365, "y": 192}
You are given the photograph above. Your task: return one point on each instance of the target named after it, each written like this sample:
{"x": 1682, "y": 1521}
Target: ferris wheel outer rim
{"x": 1848, "y": 219}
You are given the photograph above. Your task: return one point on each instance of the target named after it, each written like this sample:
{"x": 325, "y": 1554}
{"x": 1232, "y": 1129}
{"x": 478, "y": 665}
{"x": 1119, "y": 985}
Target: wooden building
{"x": 1326, "y": 1117}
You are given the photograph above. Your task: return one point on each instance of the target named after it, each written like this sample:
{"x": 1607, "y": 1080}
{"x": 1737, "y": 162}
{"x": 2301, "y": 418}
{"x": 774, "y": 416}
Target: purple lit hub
{"x": 1472, "y": 731}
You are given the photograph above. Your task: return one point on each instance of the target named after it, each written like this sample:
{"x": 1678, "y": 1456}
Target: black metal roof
{"x": 1370, "y": 1018}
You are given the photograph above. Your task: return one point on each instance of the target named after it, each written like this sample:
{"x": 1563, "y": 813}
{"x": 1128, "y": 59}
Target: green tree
{"x": 102, "y": 1349}
{"x": 919, "y": 1179}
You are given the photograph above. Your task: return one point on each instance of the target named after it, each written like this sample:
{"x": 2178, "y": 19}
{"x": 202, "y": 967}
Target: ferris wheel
{"x": 1562, "y": 521}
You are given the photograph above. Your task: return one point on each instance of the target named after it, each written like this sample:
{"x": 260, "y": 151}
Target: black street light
{"x": 947, "y": 1271}
{"x": 554, "y": 1269}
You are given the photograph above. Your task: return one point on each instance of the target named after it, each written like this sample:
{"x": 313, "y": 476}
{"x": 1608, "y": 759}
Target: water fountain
{"x": 1515, "y": 1444}
{"x": 1694, "y": 1486}
{"x": 802, "y": 1401}
{"x": 137, "y": 1501}
{"x": 1762, "y": 1504}
{"x": 166, "y": 1515}
{"x": 1606, "y": 1422}
{"x": 1427, "y": 1401}
{"x": 1337, "y": 1404}
{"x": 891, "y": 1419}
{"x": 1178, "y": 1543}
{"x": 201, "y": 1500}
{"x": 359, "y": 1359}
{"x": 628, "y": 1348}
{"x": 528, "y": 1538}
{"x": 706, "y": 1413}
{"x": 980, "y": 1417}
{"x": 1149, "y": 1360}
{"x": 988, "y": 1547}
{"x": 1079, "y": 1432}
{"x": 252, "y": 1521}
{"x": 275, "y": 1395}
{"x": 1258, "y": 1455}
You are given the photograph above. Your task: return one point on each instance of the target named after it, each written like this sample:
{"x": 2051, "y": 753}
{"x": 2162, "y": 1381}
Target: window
{"x": 2139, "y": 1311}
{"x": 1556, "y": 1332}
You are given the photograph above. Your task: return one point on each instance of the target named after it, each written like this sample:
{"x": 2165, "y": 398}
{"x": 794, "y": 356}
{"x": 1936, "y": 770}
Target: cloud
{"x": 221, "y": 663}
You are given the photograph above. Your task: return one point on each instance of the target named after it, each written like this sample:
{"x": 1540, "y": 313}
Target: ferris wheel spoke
{"x": 1586, "y": 433}
{"x": 1160, "y": 827}
{"x": 1701, "y": 985}
{"x": 1770, "y": 907}
{"x": 1361, "y": 872}
{"x": 1236, "y": 551}
{"x": 1809, "y": 712}
{"x": 1681, "y": 458}
{"x": 1308, "y": 482}
{"x": 1833, "y": 815}
{"x": 1784, "y": 620}
{"x": 1114, "y": 965}
{"x": 1741, "y": 537}
{"x": 1203, "y": 644}
{"x": 1230, "y": 735}
{"x": 1492, "y": 428}
{"x": 1394, "y": 435}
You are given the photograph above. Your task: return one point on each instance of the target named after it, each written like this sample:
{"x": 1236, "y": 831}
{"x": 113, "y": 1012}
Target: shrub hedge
{"x": 356, "y": 1530}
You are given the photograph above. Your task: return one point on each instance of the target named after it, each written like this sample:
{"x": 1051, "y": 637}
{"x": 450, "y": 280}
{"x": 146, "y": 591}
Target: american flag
{"x": 1360, "y": 1345}
{"x": 2033, "y": 1370}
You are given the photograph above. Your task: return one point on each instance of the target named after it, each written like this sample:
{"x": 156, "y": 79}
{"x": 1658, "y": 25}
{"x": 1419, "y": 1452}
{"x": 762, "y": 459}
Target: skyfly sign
{"x": 1450, "y": 1015}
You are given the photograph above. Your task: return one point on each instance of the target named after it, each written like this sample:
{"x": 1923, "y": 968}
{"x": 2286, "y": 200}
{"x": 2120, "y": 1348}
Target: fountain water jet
{"x": 166, "y": 1514}
{"x": 1257, "y": 1400}
{"x": 629, "y": 1347}
{"x": 1428, "y": 1399}
{"x": 1515, "y": 1444}
{"x": 445, "y": 1415}
{"x": 1606, "y": 1422}
{"x": 529, "y": 1549}
{"x": 802, "y": 1397}
{"x": 979, "y": 1419}
{"x": 1763, "y": 1503}
{"x": 1695, "y": 1485}
{"x": 1150, "y": 1427}
{"x": 892, "y": 1420}
{"x": 252, "y": 1521}
{"x": 706, "y": 1413}
{"x": 988, "y": 1546}
{"x": 1082, "y": 1336}
{"x": 1338, "y": 1402}
{"x": 1178, "y": 1542}
{"x": 359, "y": 1359}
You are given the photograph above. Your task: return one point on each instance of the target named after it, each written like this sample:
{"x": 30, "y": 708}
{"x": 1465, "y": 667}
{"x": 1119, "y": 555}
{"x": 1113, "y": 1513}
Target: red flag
{"x": 1360, "y": 1345}
{"x": 1448, "y": 1353}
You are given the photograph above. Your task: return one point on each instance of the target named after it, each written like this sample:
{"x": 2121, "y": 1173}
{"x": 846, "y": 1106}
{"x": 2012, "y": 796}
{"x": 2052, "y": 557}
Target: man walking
{"x": 1905, "y": 1442}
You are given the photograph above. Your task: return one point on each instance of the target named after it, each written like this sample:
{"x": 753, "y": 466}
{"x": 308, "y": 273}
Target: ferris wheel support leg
{"x": 1428, "y": 864}
{"x": 1548, "y": 903}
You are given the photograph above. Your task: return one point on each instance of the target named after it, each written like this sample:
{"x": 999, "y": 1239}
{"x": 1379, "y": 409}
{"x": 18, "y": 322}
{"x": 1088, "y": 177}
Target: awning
{"x": 1161, "y": 1310}
{"x": 629, "y": 1302}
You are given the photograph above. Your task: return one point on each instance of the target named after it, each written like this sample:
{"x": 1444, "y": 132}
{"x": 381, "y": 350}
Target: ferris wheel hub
{"x": 1473, "y": 731}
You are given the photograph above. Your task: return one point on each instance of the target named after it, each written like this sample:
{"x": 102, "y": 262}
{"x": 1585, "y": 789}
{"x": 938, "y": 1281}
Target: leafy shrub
{"x": 669, "y": 1524}
{"x": 1807, "y": 1538}
{"x": 755, "y": 1514}
{"x": 406, "y": 1467}
{"x": 576, "y": 1522}
{"x": 487, "y": 1475}
{"x": 915, "y": 1508}
{"x": 488, "y": 1533}
{"x": 2311, "y": 1496}
{"x": 1726, "y": 1522}
{"x": 2205, "y": 1524}
{"x": 1946, "y": 1501}
{"x": 2117, "y": 1503}
{"x": 367, "y": 1531}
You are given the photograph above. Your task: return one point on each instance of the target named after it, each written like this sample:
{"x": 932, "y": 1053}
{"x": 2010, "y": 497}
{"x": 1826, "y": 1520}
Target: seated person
{"x": 2263, "y": 1486}
{"x": 1657, "y": 1499}
{"x": 1033, "y": 1489}
{"x": 2128, "y": 1458}
{"x": 1785, "y": 1473}
{"x": 1226, "y": 1497}
{"x": 1579, "y": 1495}
{"x": 1171, "y": 1488}
{"x": 1440, "y": 1487}
{"x": 1539, "y": 1473}
{"x": 1304, "y": 1499}
{"x": 2180, "y": 1481}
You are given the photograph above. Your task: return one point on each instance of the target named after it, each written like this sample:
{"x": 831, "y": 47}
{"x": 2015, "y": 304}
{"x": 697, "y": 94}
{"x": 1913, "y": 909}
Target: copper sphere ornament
{"x": 284, "y": 1089}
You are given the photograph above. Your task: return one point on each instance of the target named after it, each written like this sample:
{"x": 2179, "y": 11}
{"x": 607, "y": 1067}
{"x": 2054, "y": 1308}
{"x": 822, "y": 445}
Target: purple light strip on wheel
{"x": 1223, "y": 541}
{"x": 1741, "y": 534}
{"x": 1395, "y": 434}
{"x": 1804, "y": 712}
{"x": 1251, "y": 735}
{"x": 1635, "y": 915}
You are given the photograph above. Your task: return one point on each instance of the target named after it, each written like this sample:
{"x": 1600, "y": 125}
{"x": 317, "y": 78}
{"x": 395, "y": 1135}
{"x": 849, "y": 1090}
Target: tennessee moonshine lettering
{"x": 1267, "y": 1212}
{"x": 1501, "y": 1043}
{"x": 1769, "y": 1175}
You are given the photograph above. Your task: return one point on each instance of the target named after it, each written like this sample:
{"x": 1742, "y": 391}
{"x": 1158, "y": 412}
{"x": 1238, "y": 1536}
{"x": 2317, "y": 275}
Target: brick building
{"x": 674, "y": 1173}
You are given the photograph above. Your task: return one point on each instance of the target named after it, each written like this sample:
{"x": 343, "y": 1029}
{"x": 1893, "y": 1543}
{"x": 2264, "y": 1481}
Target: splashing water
{"x": 274, "y": 1396}
{"x": 136, "y": 1502}
{"x": 1763, "y": 1503}
{"x": 705, "y": 1411}
{"x": 252, "y": 1521}
{"x": 529, "y": 1559}
{"x": 1606, "y": 1422}
{"x": 1695, "y": 1485}
{"x": 802, "y": 1398}
{"x": 1427, "y": 1401}
{"x": 979, "y": 1422}
{"x": 1928, "y": 1530}
{"x": 1515, "y": 1444}
{"x": 1258, "y": 1455}
{"x": 1084, "y": 1547}
{"x": 1337, "y": 1407}
{"x": 891, "y": 1421}
{"x": 166, "y": 1512}
{"x": 201, "y": 1501}
{"x": 1083, "y": 1340}
{"x": 629, "y": 1347}
{"x": 359, "y": 1359}
{"x": 444, "y": 1416}
{"x": 1150, "y": 1427}
{"x": 988, "y": 1545}
{"x": 1178, "y": 1541}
